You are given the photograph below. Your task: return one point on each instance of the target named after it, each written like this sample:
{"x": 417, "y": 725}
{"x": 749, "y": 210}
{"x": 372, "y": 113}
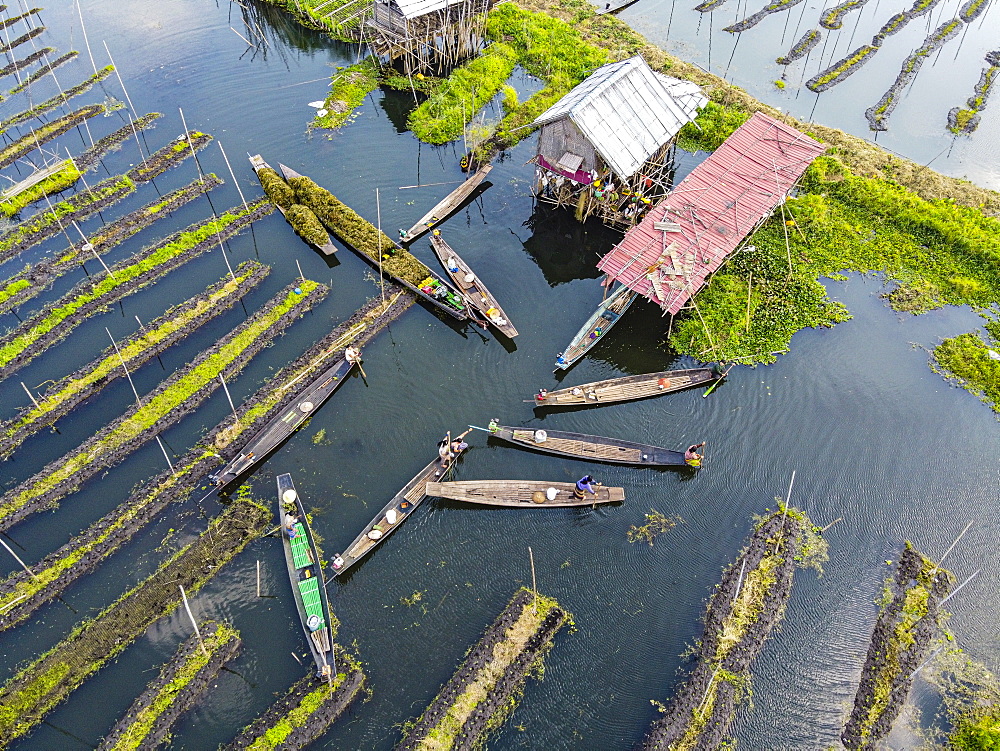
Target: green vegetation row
{"x": 970, "y": 695}
{"x": 54, "y": 322}
{"x": 747, "y": 605}
{"x": 357, "y": 232}
{"x": 776, "y": 6}
{"x": 26, "y": 37}
{"x": 304, "y": 712}
{"x": 45, "y": 133}
{"x": 36, "y": 689}
{"x": 169, "y": 156}
{"x": 24, "y": 62}
{"x": 31, "y": 280}
{"x": 179, "y": 394}
{"x": 966, "y": 119}
{"x": 90, "y": 158}
{"x": 15, "y": 19}
{"x": 149, "y": 341}
{"x": 443, "y": 116}
{"x": 180, "y": 683}
{"x": 973, "y": 361}
{"x": 21, "y": 595}
{"x": 302, "y": 219}
{"x": 57, "y": 182}
{"x": 834, "y": 18}
{"x": 487, "y": 686}
{"x": 44, "y": 70}
{"x": 59, "y": 99}
{"x": 348, "y": 89}
{"x": 908, "y": 621}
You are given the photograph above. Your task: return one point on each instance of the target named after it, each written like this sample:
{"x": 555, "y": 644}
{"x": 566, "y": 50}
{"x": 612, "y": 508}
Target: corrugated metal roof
{"x": 627, "y": 112}
{"x": 711, "y": 210}
{"x": 416, "y": 8}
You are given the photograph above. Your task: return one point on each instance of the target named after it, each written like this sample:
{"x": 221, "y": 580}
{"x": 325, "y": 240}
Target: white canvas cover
{"x": 416, "y": 8}
{"x": 627, "y": 111}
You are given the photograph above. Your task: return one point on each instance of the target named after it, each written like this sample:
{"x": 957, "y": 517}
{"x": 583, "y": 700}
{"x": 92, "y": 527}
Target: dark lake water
{"x": 872, "y": 434}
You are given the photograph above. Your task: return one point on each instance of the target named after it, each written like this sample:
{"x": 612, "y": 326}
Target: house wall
{"x": 555, "y": 139}
{"x": 387, "y": 16}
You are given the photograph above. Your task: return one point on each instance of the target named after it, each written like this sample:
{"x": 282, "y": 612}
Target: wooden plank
{"x": 444, "y": 208}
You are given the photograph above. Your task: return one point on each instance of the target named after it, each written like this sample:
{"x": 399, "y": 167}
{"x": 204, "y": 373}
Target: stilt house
{"x": 426, "y": 32}
{"x": 606, "y": 147}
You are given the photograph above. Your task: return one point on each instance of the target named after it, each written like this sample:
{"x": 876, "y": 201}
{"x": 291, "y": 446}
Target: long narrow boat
{"x": 595, "y": 447}
{"x": 278, "y": 429}
{"x": 304, "y": 572}
{"x": 446, "y": 206}
{"x": 597, "y": 326}
{"x": 434, "y": 289}
{"x": 521, "y": 493}
{"x": 472, "y": 286}
{"x": 625, "y": 388}
{"x": 388, "y": 519}
{"x": 327, "y": 248}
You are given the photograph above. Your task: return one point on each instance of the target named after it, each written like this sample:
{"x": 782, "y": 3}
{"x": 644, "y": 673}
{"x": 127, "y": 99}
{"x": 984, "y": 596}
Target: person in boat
{"x": 542, "y": 394}
{"x": 577, "y": 391}
{"x": 352, "y": 355}
{"x": 290, "y": 521}
{"x": 584, "y": 485}
{"x": 449, "y": 450}
{"x": 691, "y": 457}
{"x": 560, "y": 360}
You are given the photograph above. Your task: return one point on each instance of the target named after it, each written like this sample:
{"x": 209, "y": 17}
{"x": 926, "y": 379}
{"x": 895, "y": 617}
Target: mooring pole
{"x": 187, "y": 133}
{"x": 31, "y": 396}
{"x": 235, "y": 181}
{"x": 166, "y": 456}
{"x": 120, "y": 81}
{"x": 230, "y": 398}
{"x": 137, "y": 142}
{"x": 534, "y": 586}
{"x": 124, "y": 367}
{"x": 224, "y": 256}
{"x": 258, "y": 577}
{"x": 18, "y": 559}
{"x": 83, "y": 28}
{"x": 960, "y": 536}
{"x": 197, "y": 633}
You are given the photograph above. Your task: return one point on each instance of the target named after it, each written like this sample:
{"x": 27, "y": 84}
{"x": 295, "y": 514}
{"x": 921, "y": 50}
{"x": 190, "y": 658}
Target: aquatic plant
{"x": 750, "y": 21}
{"x": 57, "y": 182}
{"x": 169, "y": 156}
{"x": 348, "y": 89}
{"x": 907, "y": 622}
{"x": 656, "y": 524}
{"x": 37, "y": 688}
{"x": 306, "y": 224}
{"x": 45, "y": 133}
{"x": 840, "y": 70}
{"x": 91, "y": 157}
{"x": 54, "y": 322}
{"x": 174, "y": 397}
{"x": 967, "y": 360}
{"x": 967, "y": 120}
{"x": 802, "y": 47}
{"x": 834, "y": 18}
{"x": 304, "y": 712}
{"x": 60, "y": 99}
{"x": 275, "y": 188}
{"x": 151, "y": 339}
{"x": 180, "y": 683}
{"x": 11, "y": 20}
{"x": 486, "y": 688}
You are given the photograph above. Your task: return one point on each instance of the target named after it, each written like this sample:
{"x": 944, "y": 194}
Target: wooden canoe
{"x": 447, "y": 206}
{"x": 625, "y": 388}
{"x": 475, "y": 291}
{"x": 520, "y": 493}
{"x": 303, "y": 560}
{"x": 327, "y": 249}
{"x": 438, "y": 292}
{"x": 388, "y": 519}
{"x": 596, "y": 327}
{"x": 264, "y": 441}
{"x": 594, "y": 447}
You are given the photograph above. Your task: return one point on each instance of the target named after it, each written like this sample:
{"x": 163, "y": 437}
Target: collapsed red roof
{"x": 689, "y": 234}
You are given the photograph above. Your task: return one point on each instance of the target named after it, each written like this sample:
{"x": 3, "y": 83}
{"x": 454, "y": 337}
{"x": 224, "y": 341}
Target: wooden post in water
{"x": 120, "y": 81}
{"x": 230, "y": 398}
{"x": 83, "y": 28}
{"x": 258, "y": 577}
{"x": 31, "y": 396}
{"x": 224, "y": 256}
{"x": 197, "y": 633}
{"x": 166, "y": 456}
{"x": 299, "y": 267}
{"x": 187, "y": 133}
{"x": 17, "y": 558}
{"x": 534, "y": 585}
{"x": 233, "y": 175}
{"x": 378, "y": 214}
{"x": 124, "y": 367}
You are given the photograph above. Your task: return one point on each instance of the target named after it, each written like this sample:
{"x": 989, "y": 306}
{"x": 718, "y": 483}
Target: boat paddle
{"x": 718, "y": 381}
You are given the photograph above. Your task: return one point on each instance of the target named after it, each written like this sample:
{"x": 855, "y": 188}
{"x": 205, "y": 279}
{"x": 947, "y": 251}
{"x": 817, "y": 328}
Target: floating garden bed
{"x": 967, "y": 360}
{"x": 24, "y": 62}
{"x": 487, "y": 686}
{"x": 802, "y": 47}
{"x": 27, "y": 37}
{"x": 64, "y": 178}
{"x": 305, "y": 712}
{"x": 54, "y": 322}
{"x": 45, "y": 133}
{"x": 44, "y": 70}
{"x": 169, "y": 156}
{"x": 967, "y": 120}
{"x": 348, "y": 89}
{"x": 32, "y": 280}
{"x": 834, "y": 18}
{"x": 175, "y": 397}
{"x": 59, "y": 99}
{"x": 842, "y": 69}
{"x": 180, "y": 684}
{"x": 17, "y": 19}
{"x": 39, "y": 687}
{"x": 747, "y": 604}
{"x": 909, "y": 620}
{"x": 21, "y": 595}
{"x": 750, "y": 21}
{"x": 90, "y": 158}
{"x": 152, "y": 339}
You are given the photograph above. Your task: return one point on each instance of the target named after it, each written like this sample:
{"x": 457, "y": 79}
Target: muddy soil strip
{"x": 170, "y": 155}
{"x": 21, "y": 595}
{"x": 967, "y": 120}
{"x": 802, "y": 47}
{"x": 24, "y": 62}
{"x": 750, "y": 21}
{"x": 155, "y": 337}
{"x": 834, "y": 18}
{"x": 60, "y": 99}
{"x": 908, "y": 622}
{"x": 305, "y": 712}
{"x": 182, "y": 681}
{"x": 40, "y": 686}
{"x": 483, "y": 692}
{"x": 44, "y": 70}
{"x": 45, "y": 133}
{"x": 747, "y": 604}
{"x": 57, "y": 319}
{"x": 33, "y": 280}
{"x": 4, "y": 49}
{"x": 183, "y": 392}
{"x": 15, "y": 19}
{"x": 90, "y": 158}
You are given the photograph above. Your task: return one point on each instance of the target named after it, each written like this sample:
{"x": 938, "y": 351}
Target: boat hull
{"x": 593, "y": 447}
{"x": 446, "y": 206}
{"x": 596, "y": 328}
{"x": 626, "y": 388}
{"x": 521, "y": 493}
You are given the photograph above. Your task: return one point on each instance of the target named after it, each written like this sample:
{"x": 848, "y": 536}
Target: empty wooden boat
{"x": 594, "y": 447}
{"x": 471, "y": 286}
{"x": 521, "y": 493}
{"x": 327, "y": 248}
{"x": 434, "y": 289}
{"x": 447, "y": 206}
{"x": 625, "y": 388}
{"x": 596, "y": 327}
{"x": 264, "y": 441}
{"x": 303, "y": 560}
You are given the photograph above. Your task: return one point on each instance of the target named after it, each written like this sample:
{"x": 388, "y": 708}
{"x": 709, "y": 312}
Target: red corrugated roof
{"x": 715, "y": 207}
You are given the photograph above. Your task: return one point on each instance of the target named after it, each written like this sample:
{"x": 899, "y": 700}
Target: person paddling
{"x": 583, "y": 486}
{"x": 691, "y": 457}
{"x": 449, "y": 450}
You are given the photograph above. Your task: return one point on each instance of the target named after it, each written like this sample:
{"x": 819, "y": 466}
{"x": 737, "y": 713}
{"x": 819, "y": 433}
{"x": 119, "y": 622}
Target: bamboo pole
{"x": 224, "y": 256}
{"x": 17, "y": 558}
{"x": 230, "y": 398}
{"x": 120, "y": 81}
{"x": 534, "y": 585}
{"x": 137, "y": 142}
{"x": 124, "y": 367}
{"x": 258, "y": 577}
{"x": 235, "y": 181}
{"x": 960, "y": 536}
{"x": 166, "y": 455}
{"x": 86, "y": 41}
{"x": 197, "y": 633}
{"x": 187, "y": 133}
{"x": 381, "y": 278}
{"x": 31, "y": 396}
